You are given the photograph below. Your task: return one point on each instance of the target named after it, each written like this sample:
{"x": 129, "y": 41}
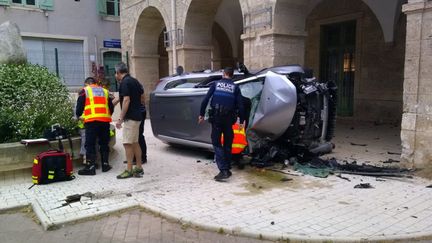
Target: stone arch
{"x": 198, "y": 23}
{"x": 222, "y": 55}
{"x": 378, "y": 80}
{"x": 147, "y": 53}
{"x": 387, "y": 13}
{"x": 377, "y": 76}
{"x": 148, "y": 27}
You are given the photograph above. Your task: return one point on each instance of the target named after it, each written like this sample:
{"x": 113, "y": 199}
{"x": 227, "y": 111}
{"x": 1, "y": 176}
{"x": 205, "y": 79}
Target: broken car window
{"x": 251, "y": 89}
{"x": 185, "y": 83}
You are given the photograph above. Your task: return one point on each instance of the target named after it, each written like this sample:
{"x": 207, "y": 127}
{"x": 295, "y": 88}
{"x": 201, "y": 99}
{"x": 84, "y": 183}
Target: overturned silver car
{"x": 291, "y": 114}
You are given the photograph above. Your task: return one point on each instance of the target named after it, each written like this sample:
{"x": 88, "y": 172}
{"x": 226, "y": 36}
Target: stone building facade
{"x": 80, "y": 31}
{"x": 378, "y": 52}
{"x": 416, "y": 131}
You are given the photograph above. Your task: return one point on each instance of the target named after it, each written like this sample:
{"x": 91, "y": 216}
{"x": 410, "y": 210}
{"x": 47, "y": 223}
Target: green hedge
{"x": 31, "y": 100}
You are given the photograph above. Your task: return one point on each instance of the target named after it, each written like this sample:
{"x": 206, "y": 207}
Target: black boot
{"x": 105, "y": 165}
{"x": 223, "y": 175}
{"x": 89, "y": 169}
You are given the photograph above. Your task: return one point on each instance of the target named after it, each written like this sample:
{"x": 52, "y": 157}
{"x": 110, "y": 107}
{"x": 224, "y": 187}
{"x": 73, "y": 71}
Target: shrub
{"x": 31, "y": 100}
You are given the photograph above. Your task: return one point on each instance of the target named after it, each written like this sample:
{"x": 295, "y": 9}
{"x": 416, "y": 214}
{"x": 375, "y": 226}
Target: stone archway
{"x": 222, "y": 53}
{"x": 149, "y": 57}
{"x": 378, "y": 81}
{"x": 368, "y": 70}
{"x": 387, "y": 13}
{"x": 203, "y": 20}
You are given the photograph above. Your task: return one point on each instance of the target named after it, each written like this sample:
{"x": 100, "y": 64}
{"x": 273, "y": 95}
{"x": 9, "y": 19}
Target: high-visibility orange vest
{"x": 96, "y": 104}
{"x": 239, "y": 141}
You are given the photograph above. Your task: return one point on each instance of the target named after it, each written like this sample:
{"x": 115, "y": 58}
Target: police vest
{"x": 239, "y": 141}
{"x": 224, "y": 95}
{"x": 96, "y": 104}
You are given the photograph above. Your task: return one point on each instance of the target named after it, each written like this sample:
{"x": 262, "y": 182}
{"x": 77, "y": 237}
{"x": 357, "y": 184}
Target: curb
{"x": 287, "y": 237}
{"x": 40, "y": 213}
{"x": 79, "y": 218}
{"x": 13, "y": 207}
{"x": 49, "y": 224}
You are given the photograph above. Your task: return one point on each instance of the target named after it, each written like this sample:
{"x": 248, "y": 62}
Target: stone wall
{"x": 292, "y": 36}
{"x": 388, "y": 80}
{"x": 379, "y": 65}
{"x": 417, "y": 112}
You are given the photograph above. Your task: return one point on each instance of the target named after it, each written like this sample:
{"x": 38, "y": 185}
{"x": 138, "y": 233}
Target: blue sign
{"x": 112, "y": 43}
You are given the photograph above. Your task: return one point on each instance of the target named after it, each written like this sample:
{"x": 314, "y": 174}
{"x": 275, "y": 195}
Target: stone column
{"x": 193, "y": 57}
{"x": 274, "y": 33}
{"x": 145, "y": 68}
{"x": 273, "y": 48}
{"x": 416, "y": 134}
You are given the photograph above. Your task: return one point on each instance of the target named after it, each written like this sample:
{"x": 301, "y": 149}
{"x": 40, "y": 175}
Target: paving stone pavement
{"x": 131, "y": 226}
{"x": 252, "y": 203}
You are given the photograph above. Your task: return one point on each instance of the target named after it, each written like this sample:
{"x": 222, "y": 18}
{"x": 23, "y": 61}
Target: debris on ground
{"x": 363, "y": 186}
{"x": 342, "y": 177}
{"x": 198, "y": 161}
{"x": 313, "y": 169}
{"x": 256, "y": 186}
{"x": 286, "y": 179}
{"x": 389, "y": 161}
{"x": 395, "y": 153}
{"x": 430, "y": 186}
{"x": 358, "y": 144}
{"x": 322, "y": 168}
{"x": 74, "y": 198}
{"x": 285, "y": 172}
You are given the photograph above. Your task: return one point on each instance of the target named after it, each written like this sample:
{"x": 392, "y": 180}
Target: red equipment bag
{"x": 52, "y": 166}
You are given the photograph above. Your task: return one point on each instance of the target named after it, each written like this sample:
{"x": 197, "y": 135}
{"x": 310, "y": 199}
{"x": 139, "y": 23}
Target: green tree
{"x": 31, "y": 100}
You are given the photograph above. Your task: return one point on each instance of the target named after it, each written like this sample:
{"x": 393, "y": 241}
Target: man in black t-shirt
{"x": 131, "y": 96}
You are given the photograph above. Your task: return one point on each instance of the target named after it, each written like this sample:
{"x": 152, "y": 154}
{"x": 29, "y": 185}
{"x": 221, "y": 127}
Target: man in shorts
{"x": 131, "y": 96}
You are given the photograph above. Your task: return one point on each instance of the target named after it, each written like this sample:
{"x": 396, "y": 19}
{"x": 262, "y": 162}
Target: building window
{"x": 113, "y": 7}
{"x": 25, "y": 2}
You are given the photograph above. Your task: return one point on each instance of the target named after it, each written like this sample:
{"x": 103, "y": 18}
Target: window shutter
{"x": 5, "y": 2}
{"x": 102, "y": 7}
{"x": 46, "y": 4}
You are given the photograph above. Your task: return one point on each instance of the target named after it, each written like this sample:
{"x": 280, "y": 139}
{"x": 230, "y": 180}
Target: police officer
{"x": 95, "y": 105}
{"x": 226, "y": 103}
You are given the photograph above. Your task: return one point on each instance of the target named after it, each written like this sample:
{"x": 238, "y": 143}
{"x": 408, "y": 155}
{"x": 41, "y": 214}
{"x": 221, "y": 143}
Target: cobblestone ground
{"x": 178, "y": 184}
{"x": 131, "y": 226}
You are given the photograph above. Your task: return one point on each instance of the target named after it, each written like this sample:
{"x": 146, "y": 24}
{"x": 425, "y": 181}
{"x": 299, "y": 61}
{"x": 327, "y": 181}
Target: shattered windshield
{"x": 251, "y": 89}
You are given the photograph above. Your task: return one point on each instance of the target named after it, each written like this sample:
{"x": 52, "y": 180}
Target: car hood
{"x": 274, "y": 109}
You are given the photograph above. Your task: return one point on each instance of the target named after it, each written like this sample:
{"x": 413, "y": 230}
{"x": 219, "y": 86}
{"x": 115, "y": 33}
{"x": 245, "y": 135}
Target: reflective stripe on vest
{"x": 239, "y": 140}
{"x": 96, "y": 104}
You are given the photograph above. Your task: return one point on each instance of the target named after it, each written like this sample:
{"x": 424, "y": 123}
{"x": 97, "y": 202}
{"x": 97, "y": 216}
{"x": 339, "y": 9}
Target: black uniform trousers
{"x": 222, "y": 125}
{"x": 141, "y": 138}
{"x": 97, "y": 130}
